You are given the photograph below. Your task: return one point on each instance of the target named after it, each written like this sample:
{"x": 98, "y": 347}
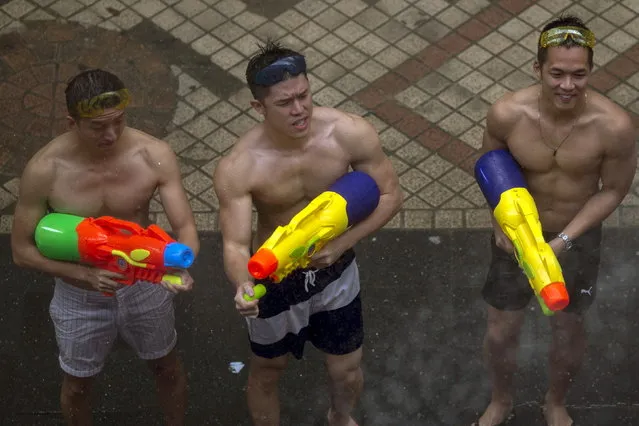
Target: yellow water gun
{"x": 514, "y": 209}
{"x": 348, "y": 201}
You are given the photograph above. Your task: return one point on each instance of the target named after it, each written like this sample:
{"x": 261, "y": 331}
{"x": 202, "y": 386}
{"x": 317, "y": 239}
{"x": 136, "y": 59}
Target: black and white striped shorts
{"x": 321, "y": 306}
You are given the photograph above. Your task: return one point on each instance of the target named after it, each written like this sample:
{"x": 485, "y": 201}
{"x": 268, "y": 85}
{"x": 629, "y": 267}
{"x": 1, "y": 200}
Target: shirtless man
{"x": 279, "y": 166}
{"x": 567, "y": 140}
{"x": 100, "y": 167}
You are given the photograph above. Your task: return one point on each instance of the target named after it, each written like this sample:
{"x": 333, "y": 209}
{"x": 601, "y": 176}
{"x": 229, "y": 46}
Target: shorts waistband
{"x": 331, "y": 272}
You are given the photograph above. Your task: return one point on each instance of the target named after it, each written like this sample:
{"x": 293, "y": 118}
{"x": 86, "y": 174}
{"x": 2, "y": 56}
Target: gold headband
{"x": 91, "y": 108}
{"x": 557, "y": 36}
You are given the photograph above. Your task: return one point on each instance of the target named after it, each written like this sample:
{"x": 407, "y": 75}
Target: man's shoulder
{"x": 344, "y": 125}
{"x": 238, "y": 163}
{"x": 336, "y": 116}
{"x": 507, "y": 111}
{"x": 611, "y": 116}
{"x": 246, "y": 143}
{"x": 40, "y": 169}
{"x": 148, "y": 146}
{"x": 144, "y": 140}
{"x": 239, "y": 159}
{"x": 513, "y": 104}
{"x": 44, "y": 160}
{"x": 233, "y": 175}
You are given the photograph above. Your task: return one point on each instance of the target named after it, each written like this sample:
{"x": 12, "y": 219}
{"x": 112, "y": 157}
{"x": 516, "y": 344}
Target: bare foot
{"x": 495, "y": 414}
{"x": 335, "y": 419}
{"x": 557, "y": 415}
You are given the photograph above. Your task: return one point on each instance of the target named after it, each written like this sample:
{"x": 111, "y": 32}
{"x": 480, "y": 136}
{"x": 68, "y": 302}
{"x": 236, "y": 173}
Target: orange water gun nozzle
{"x": 262, "y": 264}
{"x": 555, "y": 296}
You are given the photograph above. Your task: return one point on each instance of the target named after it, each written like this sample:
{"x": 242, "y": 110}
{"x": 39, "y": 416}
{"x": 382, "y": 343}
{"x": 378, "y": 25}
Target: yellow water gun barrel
{"x": 348, "y": 201}
{"x": 519, "y": 219}
{"x": 309, "y": 230}
{"x": 503, "y": 185}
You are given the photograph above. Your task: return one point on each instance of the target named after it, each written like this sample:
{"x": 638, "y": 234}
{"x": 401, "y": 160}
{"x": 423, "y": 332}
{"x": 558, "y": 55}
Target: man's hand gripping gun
{"x": 503, "y": 185}
{"x": 351, "y": 199}
{"x": 139, "y": 254}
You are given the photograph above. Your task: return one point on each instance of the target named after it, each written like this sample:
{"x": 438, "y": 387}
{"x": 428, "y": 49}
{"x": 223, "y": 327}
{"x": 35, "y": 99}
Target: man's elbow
{"x": 20, "y": 257}
{"x": 397, "y": 199}
{"x": 188, "y": 235}
{"x": 234, "y": 253}
{"x": 195, "y": 246}
{"x": 623, "y": 192}
{"x": 18, "y": 260}
{"x": 616, "y": 193}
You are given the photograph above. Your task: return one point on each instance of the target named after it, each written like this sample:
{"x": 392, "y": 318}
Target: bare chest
{"x": 574, "y": 151}
{"x": 123, "y": 191}
{"x": 282, "y": 183}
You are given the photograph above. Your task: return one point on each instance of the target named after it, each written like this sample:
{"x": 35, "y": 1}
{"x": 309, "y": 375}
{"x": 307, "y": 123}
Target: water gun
{"x": 351, "y": 199}
{"x": 502, "y": 183}
{"x": 139, "y": 254}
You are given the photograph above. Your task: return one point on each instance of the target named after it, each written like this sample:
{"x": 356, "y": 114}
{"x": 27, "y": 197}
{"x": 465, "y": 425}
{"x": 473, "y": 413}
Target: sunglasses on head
{"x": 94, "y": 107}
{"x": 280, "y": 69}
{"x": 557, "y": 36}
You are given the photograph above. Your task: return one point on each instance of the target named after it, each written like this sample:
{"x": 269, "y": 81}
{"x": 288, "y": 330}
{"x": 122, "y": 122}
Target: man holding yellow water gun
{"x": 284, "y": 167}
{"x": 576, "y": 151}
{"x": 92, "y": 187}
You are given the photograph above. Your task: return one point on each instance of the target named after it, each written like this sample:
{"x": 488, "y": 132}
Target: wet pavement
{"x": 424, "y": 73}
{"x": 424, "y": 322}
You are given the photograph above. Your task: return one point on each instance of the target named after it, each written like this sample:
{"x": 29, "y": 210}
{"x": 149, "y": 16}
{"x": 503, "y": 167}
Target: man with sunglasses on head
{"x": 101, "y": 167}
{"x": 278, "y": 167}
{"x": 576, "y": 149}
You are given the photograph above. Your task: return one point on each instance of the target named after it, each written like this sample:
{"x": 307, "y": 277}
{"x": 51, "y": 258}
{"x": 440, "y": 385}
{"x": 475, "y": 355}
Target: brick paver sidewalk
{"x": 423, "y": 72}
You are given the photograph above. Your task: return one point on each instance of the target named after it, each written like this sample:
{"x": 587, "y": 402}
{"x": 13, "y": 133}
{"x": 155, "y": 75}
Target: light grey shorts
{"x": 87, "y": 324}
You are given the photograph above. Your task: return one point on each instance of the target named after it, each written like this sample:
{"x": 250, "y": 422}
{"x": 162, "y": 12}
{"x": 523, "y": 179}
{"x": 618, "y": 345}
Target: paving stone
{"x": 423, "y": 72}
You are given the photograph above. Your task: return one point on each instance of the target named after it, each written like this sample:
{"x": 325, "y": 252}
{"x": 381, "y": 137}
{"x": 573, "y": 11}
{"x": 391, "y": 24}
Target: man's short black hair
{"x": 563, "y": 21}
{"x": 88, "y": 84}
{"x": 269, "y": 53}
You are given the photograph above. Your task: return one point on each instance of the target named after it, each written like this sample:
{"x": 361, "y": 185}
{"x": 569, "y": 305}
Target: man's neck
{"x": 95, "y": 155}
{"x": 285, "y": 142}
{"x": 552, "y": 113}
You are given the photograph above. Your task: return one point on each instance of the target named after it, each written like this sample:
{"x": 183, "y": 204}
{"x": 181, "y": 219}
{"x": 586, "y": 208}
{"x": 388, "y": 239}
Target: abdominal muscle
{"x": 559, "y": 197}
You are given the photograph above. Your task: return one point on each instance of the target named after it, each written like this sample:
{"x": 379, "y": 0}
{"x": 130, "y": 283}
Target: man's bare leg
{"x": 346, "y": 381}
{"x": 75, "y": 400}
{"x": 262, "y": 390}
{"x": 500, "y": 355}
{"x": 170, "y": 381}
{"x": 566, "y": 355}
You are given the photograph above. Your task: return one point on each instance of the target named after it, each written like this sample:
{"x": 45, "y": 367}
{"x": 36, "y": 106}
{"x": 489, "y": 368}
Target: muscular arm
{"x": 35, "y": 185}
{"x": 235, "y": 216}
{"x": 498, "y": 124}
{"x": 362, "y": 142}
{"x": 499, "y": 121}
{"x": 174, "y": 199}
{"x": 617, "y": 172}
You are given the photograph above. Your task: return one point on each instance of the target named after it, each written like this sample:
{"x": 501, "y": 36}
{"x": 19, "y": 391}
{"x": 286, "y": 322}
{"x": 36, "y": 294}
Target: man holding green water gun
{"x": 101, "y": 167}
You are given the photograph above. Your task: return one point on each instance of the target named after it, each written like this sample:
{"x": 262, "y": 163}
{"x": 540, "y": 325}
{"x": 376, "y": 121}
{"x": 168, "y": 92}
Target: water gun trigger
{"x": 517, "y": 251}
{"x": 119, "y": 266}
{"x": 314, "y": 245}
